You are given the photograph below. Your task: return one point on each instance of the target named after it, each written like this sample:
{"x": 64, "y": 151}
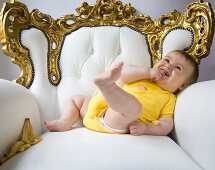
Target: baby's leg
{"x": 74, "y": 107}
{"x": 124, "y": 108}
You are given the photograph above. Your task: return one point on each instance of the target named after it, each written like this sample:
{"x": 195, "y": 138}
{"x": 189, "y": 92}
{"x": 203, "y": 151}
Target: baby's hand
{"x": 137, "y": 128}
{"x": 155, "y": 74}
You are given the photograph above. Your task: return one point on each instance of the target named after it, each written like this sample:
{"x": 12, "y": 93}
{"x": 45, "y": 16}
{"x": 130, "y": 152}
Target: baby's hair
{"x": 195, "y": 74}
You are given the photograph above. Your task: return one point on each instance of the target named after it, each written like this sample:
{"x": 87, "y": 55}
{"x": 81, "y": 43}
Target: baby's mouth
{"x": 165, "y": 73}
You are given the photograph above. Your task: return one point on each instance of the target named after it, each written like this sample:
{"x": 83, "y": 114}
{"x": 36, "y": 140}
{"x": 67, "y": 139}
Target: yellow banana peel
{"x": 26, "y": 140}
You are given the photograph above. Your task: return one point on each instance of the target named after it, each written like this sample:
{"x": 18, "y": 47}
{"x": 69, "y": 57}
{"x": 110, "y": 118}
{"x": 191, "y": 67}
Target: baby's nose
{"x": 169, "y": 66}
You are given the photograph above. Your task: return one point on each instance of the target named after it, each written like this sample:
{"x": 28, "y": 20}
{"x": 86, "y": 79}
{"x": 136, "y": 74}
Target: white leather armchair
{"x": 59, "y": 59}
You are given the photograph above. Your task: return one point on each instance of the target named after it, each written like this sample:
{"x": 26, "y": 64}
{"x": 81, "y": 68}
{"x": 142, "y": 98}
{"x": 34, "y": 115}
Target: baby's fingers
{"x": 133, "y": 129}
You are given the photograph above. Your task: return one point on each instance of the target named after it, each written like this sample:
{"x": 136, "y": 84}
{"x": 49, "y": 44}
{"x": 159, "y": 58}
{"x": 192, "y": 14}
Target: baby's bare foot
{"x": 58, "y": 125}
{"x": 108, "y": 78}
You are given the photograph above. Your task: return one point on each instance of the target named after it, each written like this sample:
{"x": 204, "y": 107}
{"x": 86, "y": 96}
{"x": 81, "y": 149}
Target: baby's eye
{"x": 167, "y": 60}
{"x": 178, "y": 68}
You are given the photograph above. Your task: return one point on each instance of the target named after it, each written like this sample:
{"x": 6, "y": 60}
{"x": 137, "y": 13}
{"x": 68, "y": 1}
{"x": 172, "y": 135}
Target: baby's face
{"x": 175, "y": 70}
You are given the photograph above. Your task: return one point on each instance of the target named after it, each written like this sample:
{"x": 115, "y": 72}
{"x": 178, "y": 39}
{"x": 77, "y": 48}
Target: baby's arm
{"x": 134, "y": 73}
{"x": 164, "y": 127}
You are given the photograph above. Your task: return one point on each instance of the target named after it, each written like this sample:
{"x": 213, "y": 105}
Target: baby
{"x": 144, "y": 106}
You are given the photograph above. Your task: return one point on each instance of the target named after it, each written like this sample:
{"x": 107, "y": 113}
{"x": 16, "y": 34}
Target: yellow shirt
{"x": 156, "y": 103}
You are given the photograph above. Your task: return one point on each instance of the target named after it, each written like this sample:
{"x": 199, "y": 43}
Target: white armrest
{"x": 16, "y": 104}
{"x": 195, "y": 122}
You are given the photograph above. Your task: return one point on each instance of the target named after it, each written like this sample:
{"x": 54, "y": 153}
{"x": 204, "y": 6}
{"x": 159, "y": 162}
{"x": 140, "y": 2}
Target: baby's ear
{"x": 184, "y": 86}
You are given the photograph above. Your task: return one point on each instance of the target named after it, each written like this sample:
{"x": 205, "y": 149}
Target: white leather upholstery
{"x": 90, "y": 51}
{"x": 177, "y": 39}
{"x": 195, "y": 123}
{"x": 44, "y": 92}
{"x": 16, "y": 104}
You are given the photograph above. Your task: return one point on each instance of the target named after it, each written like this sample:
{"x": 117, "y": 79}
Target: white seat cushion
{"x": 83, "y": 149}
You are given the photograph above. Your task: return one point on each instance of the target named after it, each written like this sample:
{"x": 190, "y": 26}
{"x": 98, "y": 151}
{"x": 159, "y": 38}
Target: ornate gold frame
{"x": 15, "y": 17}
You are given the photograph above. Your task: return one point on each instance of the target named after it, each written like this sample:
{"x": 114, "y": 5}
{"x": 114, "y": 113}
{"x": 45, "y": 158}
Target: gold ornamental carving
{"x": 14, "y": 17}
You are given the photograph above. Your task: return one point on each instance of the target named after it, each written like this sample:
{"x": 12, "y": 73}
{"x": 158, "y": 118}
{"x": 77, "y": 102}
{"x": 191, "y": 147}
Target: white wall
{"x": 153, "y": 8}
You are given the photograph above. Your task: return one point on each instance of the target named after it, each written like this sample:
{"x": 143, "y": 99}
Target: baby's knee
{"x": 134, "y": 111}
{"x": 74, "y": 99}
{"x": 136, "y": 107}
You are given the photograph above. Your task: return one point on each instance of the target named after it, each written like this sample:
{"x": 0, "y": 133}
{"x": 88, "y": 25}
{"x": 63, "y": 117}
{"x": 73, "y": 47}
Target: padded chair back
{"x": 59, "y": 58}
